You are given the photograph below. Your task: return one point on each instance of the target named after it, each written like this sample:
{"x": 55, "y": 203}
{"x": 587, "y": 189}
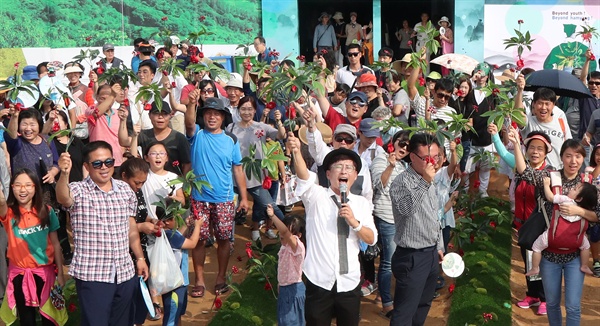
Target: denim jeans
{"x": 262, "y": 198}
{"x": 386, "y": 233}
{"x": 552, "y": 278}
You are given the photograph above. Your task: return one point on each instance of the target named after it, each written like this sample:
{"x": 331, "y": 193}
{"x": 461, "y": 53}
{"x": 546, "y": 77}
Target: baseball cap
{"x": 360, "y": 95}
{"x": 344, "y": 128}
{"x": 166, "y": 108}
{"x": 366, "y": 128}
{"x": 235, "y": 80}
{"x": 108, "y": 46}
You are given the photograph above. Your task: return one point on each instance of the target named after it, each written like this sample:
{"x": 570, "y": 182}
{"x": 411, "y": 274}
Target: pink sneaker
{"x": 542, "y": 309}
{"x": 529, "y": 302}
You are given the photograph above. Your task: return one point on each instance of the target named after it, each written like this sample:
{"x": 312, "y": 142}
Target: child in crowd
{"x": 175, "y": 302}
{"x": 34, "y": 253}
{"x": 585, "y": 195}
{"x": 156, "y": 185}
{"x": 290, "y": 303}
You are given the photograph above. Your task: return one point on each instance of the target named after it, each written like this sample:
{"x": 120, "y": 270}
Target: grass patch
{"x": 484, "y": 287}
{"x": 257, "y": 305}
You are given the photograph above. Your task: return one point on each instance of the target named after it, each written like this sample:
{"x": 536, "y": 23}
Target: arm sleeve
{"x": 505, "y": 155}
{"x": 316, "y": 146}
{"x": 332, "y": 35}
{"x": 316, "y": 36}
{"x": 236, "y": 155}
{"x": 53, "y": 219}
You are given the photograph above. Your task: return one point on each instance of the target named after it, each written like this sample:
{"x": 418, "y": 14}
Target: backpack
{"x": 562, "y": 232}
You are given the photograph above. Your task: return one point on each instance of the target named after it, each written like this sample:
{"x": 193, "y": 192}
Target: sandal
{"x": 157, "y": 312}
{"x": 221, "y": 288}
{"x": 197, "y": 291}
{"x": 386, "y": 315}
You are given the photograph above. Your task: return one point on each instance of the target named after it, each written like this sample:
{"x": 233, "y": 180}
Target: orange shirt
{"x": 29, "y": 244}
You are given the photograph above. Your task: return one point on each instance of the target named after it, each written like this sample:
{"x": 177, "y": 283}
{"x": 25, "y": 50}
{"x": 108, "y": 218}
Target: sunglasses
{"x": 402, "y": 144}
{"x": 353, "y": 54}
{"x": 207, "y": 91}
{"x": 347, "y": 140}
{"x": 443, "y": 96}
{"x": 356, "y": 102}
{"x": 110, "y": 162}
{"x": 594, "y": 83}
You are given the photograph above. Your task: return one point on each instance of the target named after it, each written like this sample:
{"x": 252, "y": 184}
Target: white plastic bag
{"x": 165, "y": 274}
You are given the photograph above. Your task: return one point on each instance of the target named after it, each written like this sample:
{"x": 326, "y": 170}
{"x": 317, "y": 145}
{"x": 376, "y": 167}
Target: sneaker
{"x": 270, "y": 234}
{"x": 542, "y": 309}
{"x": 367, "y": 288}
{"x": 530, "y": 302}
{"x": 596, "y": 268}
{"x": 255, "y": 235}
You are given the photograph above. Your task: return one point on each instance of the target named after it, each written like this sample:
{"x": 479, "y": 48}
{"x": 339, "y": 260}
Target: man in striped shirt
{"x": 418, "y": 238}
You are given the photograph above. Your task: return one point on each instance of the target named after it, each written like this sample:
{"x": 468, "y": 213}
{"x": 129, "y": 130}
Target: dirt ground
{"x": 197, "y": 312}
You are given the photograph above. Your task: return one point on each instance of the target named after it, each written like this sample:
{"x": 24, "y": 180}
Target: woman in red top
{"x": 33, "y": 253}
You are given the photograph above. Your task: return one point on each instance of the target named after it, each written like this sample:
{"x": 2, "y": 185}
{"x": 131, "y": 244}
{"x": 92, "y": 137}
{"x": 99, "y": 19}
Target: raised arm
{"x": 586, "y": 67}
{"x": 284, "y": 233}
{"x": 453, "y": 159}
{"x": 190, "y": 114}
{"x": 124, "y": 139}
{"x": 547, "y": 190}
{"x": 413, "y": 92}
{"x": 192, "y": 241}
{"x": 63, "y": 193}
{"x": 505, "y": 155}
{"x": 513, "y": 137}
{"x": 175, "y": 106}
{"x": 322, "y": 98}
{"x": 13, "y": 124}
{"x": 293, "y": 144}
{"x": 519, "y": 98}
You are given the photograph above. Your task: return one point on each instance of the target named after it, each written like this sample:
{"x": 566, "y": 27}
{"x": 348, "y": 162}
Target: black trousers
{"x": 27, "y": 314}
{"x": 535, "y": 289}
{"x": 416, "y": 272}
{"x": 106, "y": 303}
{"x": 322, "y": 306}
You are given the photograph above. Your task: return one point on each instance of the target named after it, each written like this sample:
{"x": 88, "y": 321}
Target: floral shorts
{"x": 218, "y": 216}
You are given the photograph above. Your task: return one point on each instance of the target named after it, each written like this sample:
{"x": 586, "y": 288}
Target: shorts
{"x": 218, "y": 216}
{"x": 594, "y": 232}
{"x": 175, "y": 304}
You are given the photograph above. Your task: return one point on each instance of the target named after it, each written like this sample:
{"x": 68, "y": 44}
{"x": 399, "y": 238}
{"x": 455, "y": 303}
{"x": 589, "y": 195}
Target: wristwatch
{"x": 358, "y": 228}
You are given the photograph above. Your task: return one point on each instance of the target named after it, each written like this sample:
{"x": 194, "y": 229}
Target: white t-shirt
{"x": 156, "y": 187}
{"x": 557, "y": 134}
{"x": 345, "y": 76}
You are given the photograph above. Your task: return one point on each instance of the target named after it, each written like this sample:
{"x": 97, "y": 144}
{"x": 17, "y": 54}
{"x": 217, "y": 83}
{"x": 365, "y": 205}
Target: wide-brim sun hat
{"x": 323, "y": 128}
{"x": 338, "y": 15}
{"x": 324, "y": 14}
{"x": 366, "y": 80}
{"x": 444, "y": 19}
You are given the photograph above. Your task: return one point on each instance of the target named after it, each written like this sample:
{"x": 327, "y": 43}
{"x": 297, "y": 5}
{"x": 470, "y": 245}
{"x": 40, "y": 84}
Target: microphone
{"x": 343, "y": 191}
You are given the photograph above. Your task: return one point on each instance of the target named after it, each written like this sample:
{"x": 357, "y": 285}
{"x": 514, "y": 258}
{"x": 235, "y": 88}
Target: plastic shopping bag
{"x": 165, "y": 274}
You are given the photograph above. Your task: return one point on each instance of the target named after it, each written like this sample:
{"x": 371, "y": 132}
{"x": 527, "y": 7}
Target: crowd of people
{"x": 386, "y": 188}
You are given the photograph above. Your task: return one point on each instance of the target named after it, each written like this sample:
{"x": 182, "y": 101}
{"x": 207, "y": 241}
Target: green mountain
{"x": 62, "y": 23}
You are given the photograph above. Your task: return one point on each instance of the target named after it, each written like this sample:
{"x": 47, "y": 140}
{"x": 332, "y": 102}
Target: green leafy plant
{"x": 521, "y": 41}
{"x": 212, "y": 69}
{"x": 477, "y": 218}
{"x": 262, "y": 265}
{"x": 188, "y": 182}
{"x": 254, "y": 166}
{"x": 16, "y": 84}
{"x": 123, "y": 75}
{"x": 200, "y": 35}
{"x": 171, "y": 67}
{"x": 87, "y": 55}
{"x": 65, "y": 132}
{"x": 171, "y": 208}
{"x": 502, "y": 105}
{"x": 150, "y": 92}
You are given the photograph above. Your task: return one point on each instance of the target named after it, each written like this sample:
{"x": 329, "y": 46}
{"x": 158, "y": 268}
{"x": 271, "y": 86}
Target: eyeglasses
{"x": 207, "y": 91}
{"x": 110, "y": 162}
{"x": 594, "y": 83}
{"x": 154, "y": 154}
{"x": 27, "y": 186}
{"x": 347, "y": 140}
{"x": 356, "y": 102}
{"x": 443, "y": 96}
{"x": 353, "y": 54}
{"x": 339, "y": 167}
{"x": 429, "y": 157}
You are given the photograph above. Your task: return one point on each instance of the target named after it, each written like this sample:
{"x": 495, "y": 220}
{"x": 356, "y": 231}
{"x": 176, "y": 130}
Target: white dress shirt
{"x": 321, "y": 265}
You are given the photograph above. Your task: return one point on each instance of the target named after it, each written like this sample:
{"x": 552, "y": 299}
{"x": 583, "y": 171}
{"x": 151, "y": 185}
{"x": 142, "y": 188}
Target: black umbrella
{"x": 561, "y": 82}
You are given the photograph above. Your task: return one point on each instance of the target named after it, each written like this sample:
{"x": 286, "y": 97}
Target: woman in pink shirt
{"x": 290, "y": 303}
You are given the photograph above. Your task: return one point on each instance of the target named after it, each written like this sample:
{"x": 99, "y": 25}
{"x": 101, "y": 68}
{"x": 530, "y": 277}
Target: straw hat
{"x": 507, "y": 74}
{"x": 325, "y": 130}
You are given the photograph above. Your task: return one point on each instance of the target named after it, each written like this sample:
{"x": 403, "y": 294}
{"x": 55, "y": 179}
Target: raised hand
{"x": 492, "y": 129}
{"x": 64, "y": 163}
